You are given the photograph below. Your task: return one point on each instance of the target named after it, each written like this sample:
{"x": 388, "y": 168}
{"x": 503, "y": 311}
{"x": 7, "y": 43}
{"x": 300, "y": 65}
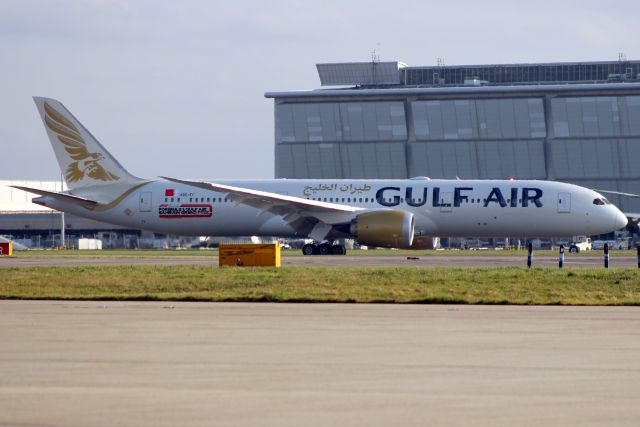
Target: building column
{"x": 549, "y": 139}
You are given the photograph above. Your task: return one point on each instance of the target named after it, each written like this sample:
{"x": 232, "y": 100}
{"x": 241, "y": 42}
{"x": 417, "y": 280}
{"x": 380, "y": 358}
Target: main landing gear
{"x": 323, "y": 249}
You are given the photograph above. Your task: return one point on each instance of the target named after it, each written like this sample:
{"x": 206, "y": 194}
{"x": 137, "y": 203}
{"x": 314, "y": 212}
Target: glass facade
{"x": 341, "y": 121}
{"x": 479, "y": 119}
{"x": 478, "y": 159}
{"x": 353, "y": 160}
{"x": 596, "y": 116}
{"x": 596, "y": 158}
{"x": 507, "y": 74}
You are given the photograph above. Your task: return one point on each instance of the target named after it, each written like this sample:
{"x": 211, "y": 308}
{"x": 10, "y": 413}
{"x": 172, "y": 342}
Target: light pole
{"x": 62, "y": 230}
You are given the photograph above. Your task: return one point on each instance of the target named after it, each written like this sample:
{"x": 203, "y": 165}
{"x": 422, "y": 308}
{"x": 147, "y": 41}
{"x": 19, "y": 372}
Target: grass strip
{"x": 510, "y": 285}
{"x": 213, "y": 253}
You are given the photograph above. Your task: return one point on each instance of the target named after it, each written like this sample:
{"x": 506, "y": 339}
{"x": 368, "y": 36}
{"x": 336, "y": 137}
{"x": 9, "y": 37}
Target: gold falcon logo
{"x": 86, "y": 163}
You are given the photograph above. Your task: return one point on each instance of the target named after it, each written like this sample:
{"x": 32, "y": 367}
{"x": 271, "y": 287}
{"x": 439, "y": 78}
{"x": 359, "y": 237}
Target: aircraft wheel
{"x": 324, "y": 249}
{"x": 309, "y": 249}
{"x": 338, "y": 250}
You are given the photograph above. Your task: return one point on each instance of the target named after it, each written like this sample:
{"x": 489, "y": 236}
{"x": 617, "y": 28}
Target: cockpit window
{"x": 599, "y": 202}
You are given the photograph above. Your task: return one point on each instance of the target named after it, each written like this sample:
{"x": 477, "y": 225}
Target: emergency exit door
{"x": 564, "y": 202}
{"x": 145, "y": 201}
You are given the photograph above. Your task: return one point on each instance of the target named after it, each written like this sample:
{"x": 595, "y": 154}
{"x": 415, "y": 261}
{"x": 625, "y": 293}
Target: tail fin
{"x": 82, "y": 159}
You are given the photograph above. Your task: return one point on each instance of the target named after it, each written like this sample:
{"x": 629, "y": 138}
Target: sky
{"x": 176, "y": 88}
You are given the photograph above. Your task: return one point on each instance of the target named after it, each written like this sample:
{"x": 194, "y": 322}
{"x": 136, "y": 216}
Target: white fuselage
{"x": 441, "y": 207}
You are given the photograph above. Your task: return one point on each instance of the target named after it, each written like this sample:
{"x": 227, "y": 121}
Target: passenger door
{"x": 564, "y": 202}
{"x": 145, "y": 201}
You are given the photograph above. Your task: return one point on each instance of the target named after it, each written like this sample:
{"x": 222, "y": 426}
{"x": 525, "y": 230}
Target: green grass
{"x": 150, "y": 253}
{"x": 350, "y": 284}
{"x": 142, "y": 253}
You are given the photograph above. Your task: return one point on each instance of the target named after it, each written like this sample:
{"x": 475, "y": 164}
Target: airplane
{"x": 399, "y": 213}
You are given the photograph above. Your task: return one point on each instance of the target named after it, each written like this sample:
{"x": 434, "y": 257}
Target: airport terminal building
{"x": 570, "y": 122}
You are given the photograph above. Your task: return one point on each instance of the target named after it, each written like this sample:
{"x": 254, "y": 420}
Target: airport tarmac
{"x": 225, "y": 364}
{"x": 387, "y": 259}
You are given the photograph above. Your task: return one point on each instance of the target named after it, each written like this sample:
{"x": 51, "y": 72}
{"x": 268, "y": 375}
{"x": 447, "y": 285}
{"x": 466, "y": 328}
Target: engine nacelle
{"x": 386, "y": 229}
{"x": 425, "y": 242}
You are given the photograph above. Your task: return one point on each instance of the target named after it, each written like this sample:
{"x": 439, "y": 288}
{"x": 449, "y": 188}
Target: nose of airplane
{"x": 620, "y": 219}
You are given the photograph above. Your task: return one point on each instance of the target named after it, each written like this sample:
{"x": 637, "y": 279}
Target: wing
{"x": 294, "y": 210}
{"x": 68, "y": 134}
{"x": 618, "y": 193}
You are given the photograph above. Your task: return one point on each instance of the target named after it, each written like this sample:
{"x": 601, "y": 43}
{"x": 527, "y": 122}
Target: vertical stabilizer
{"x": 82, "y": 159}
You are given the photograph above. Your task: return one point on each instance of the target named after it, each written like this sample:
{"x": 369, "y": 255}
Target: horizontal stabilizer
{"x": 59, "y": 196}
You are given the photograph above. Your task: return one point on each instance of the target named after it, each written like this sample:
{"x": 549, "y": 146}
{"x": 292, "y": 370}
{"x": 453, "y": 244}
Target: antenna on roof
{"x": 375, "y": 56}
{"x": 440, "y": 62}
{"x": 622, "y": 57}
{"x": 375, "y": 60}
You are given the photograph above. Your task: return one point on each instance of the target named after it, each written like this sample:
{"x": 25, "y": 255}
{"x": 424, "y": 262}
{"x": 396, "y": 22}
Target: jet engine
{"x": 425, "y": 242}
{"x": 387, "y": 229}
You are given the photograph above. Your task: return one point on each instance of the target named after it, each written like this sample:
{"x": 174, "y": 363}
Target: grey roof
{"x": 525, "y": 64}
{"x": 480, "y": 90}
